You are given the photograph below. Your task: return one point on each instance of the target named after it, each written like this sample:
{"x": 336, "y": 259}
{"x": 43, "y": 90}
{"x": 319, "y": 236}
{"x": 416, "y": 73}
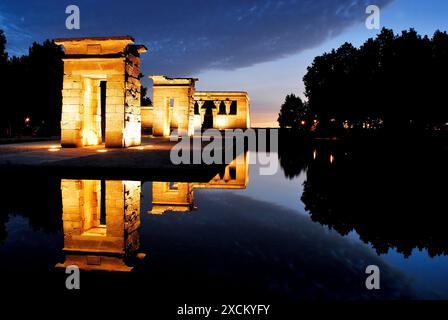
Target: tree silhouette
{"x": 4, "y": 123}
{"x": 373, "y": 187}
{"x": 293, "y": 113}
{"x": 438, "y": 111}
{"x": 144, "y": 100}
{"x": 395, "y": 80}
{"x": 44, "y": 69}
{"x": 3, "y": 54}
{"x": 38, "y": 111}
{"x": 293, "y": 161}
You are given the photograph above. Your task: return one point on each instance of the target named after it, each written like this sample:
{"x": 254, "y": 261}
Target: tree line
{"x": 30, "y": 89}
{"x": 374, "y": 187}
{"x": 395, "y": 82}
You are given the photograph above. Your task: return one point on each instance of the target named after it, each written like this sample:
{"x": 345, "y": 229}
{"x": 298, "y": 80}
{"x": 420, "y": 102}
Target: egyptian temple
{"x": 102, "y": 97}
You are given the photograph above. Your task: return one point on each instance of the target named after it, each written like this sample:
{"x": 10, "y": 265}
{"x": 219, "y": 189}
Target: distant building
{"x": 177, "y": 105}
{"x": 102, "y": 103}
{"x": 101, "y": 218}
{"x": 179, "y": 196}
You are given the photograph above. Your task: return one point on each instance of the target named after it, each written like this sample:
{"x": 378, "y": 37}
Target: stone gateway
{"x": 101, "y": 97}
{"x": 101, "y": 92}
{"x": 177, "y": 105}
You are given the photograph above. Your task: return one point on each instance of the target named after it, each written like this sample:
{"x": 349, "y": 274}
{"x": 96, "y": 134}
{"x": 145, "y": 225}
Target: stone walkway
{"x": 151, "y": 158}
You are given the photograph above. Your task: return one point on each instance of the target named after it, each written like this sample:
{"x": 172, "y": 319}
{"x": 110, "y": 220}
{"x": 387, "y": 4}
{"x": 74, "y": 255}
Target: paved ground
{"x": 47, "y": 152}
{"x": 150, "y": 159}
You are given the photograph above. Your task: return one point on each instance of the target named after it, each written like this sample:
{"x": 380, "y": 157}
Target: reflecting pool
{"x": 307, "y": 232}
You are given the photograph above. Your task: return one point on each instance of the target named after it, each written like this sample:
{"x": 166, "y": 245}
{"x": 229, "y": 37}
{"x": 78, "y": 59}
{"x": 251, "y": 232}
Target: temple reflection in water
{"x": 179, "y": 196}
{"x": 101, "y": 218}
{"x": 101, "y": 221}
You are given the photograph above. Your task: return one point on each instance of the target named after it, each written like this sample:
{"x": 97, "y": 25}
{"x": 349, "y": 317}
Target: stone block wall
{"x": 115, "y": 88}
{"x": 81, "y": 109}
{"x": 81, "y": 203}
{"x": 81, "y": 219}
{"x": 132, "y": 113}
{"x": 132, "y": 192}
{"x": 147, "y": 116}
{"x": 234, "y": 176}
{"x": 173, "y": 104}
{"x": 173, "y": 107}
{"x": 71, "y": 123}
{"x": 161, "y": 115}
{"x": 240, "y": 120}
{"x": 179, "y": 197}
{"x": 168, "y": 196}
{"x": 89, "y": 61}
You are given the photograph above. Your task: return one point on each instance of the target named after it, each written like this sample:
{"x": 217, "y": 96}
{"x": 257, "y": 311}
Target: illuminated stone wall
{"x": 173, "y": 104}
{"x": 132, "y": 113}
{"x": 88, "y": 62}
{"x": 179, "y": 196}
{"x": 171, "y": 196}
{"x": 147, "y": 116}
{"x": 234, "y": 176}
{"x": 90, "y": 244}
{"x": 223, "y": 100}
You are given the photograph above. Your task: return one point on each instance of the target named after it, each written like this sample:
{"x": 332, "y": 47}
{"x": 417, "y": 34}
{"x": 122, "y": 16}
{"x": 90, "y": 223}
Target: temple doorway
{"x": 103, "y": 85}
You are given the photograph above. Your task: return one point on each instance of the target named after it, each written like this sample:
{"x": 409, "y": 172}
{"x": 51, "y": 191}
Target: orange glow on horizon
{"x": 264, "y": 119}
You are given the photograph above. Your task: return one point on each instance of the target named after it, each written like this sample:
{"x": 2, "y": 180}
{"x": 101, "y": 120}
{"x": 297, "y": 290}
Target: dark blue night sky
{"x": 259, "y": 46}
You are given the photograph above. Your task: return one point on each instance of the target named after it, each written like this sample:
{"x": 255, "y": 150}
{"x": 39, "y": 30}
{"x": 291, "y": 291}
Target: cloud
{"x": 234, "y": 34}
{"x": 13, "y": 31}
{"x": 186, "y": 37}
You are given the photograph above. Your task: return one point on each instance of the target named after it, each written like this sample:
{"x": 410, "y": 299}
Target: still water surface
{"x": 307, "y": 232}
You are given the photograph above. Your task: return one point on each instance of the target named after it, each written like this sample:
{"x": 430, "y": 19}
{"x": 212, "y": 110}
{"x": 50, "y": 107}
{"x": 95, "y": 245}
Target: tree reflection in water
{"x": 392, "y": 193}
{"x": 232, "y": 245}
